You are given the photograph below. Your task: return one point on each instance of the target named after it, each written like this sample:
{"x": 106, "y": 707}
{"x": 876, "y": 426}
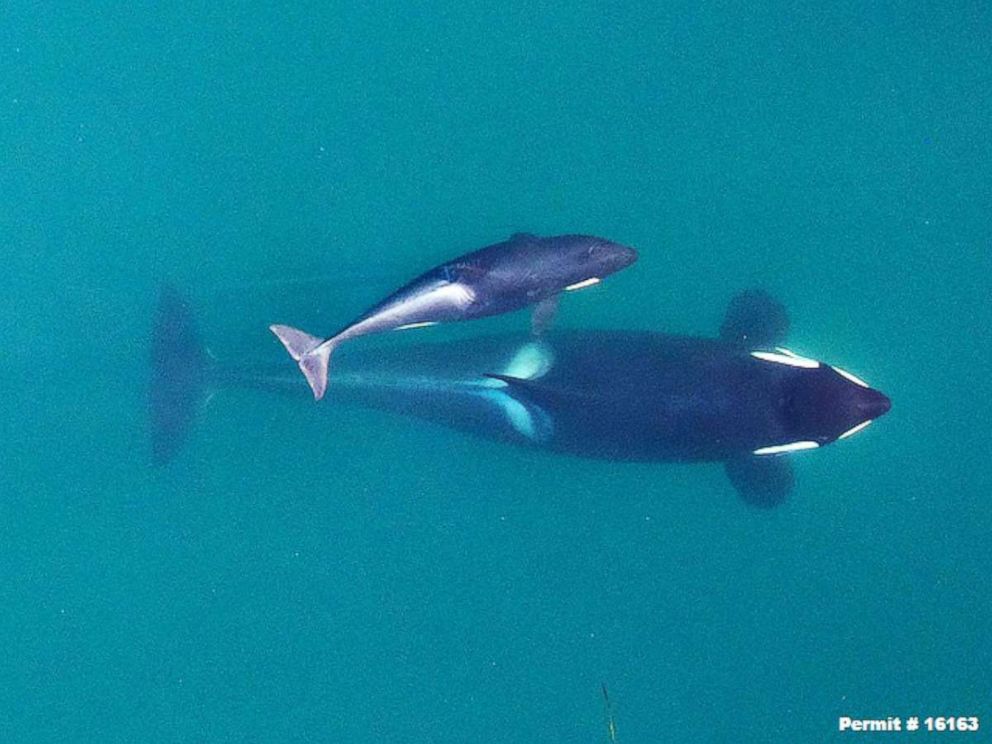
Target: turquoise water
{"x": 306, "y": 574}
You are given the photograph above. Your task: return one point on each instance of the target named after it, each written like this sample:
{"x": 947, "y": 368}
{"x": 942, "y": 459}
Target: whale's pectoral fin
{"x": 762, "y": 482}
{"x": 544, "y": 316}
{"x": 755, "y": 320}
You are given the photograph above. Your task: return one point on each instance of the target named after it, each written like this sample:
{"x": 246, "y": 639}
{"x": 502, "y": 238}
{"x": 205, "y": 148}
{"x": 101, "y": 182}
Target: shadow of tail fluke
{"x": 179, "y": 372}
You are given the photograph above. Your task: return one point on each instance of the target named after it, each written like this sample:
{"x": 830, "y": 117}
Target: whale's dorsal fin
{"x": 755, "y": 320}
{"x": 537, "y": 391}
{"x": 762, "y": 482}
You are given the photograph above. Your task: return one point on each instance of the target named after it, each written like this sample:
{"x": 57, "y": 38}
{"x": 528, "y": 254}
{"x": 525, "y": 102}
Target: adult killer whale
{"x": 499, "y": 278}
{"x": 740, "y": 399}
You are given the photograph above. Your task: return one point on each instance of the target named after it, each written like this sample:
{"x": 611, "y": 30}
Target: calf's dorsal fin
{"x": 755, "y": 320}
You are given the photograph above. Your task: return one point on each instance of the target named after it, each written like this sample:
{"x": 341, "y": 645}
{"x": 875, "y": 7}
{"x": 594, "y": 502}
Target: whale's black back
{"x": 651, "y": 396}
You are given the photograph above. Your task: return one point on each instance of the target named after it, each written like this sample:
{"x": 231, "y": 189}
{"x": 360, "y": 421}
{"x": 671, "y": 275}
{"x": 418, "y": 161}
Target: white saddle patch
{"x": 452, "y": 294}
{"x": 529, "y": 421}
{"x": 531, "y": 362}
{"x": 458, "y": 294}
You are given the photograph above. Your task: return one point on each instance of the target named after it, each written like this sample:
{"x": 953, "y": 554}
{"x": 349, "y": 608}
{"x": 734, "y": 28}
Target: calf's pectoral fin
{"x": 544, "y": 315}
{"x": 755, "y": 320}
{"x": 762, "y": 482}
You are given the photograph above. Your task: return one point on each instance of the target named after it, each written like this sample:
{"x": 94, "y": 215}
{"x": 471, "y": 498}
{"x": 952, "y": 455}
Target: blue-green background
{"x": 311, "y": 575}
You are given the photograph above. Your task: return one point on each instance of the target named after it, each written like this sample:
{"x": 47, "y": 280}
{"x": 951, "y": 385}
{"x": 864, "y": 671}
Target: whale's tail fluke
{"x": 311, "y": 353}
{"x": 179, "y": 375}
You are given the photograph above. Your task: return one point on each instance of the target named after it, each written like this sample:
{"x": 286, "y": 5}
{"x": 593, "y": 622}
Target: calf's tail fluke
{"x": 310, "y": 352}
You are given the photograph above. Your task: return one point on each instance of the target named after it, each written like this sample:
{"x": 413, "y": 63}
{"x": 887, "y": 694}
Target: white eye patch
{"x": 779, "y": 449}
{"x": 848, "y": 376}
{"x": 790, "y": 359}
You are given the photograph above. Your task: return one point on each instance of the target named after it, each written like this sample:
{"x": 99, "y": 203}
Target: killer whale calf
{"x": 184, "y": 374}
{"x": 740, "y": 399}
{"x": 500, "y": 278}
{"x": 434, "y": 382}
